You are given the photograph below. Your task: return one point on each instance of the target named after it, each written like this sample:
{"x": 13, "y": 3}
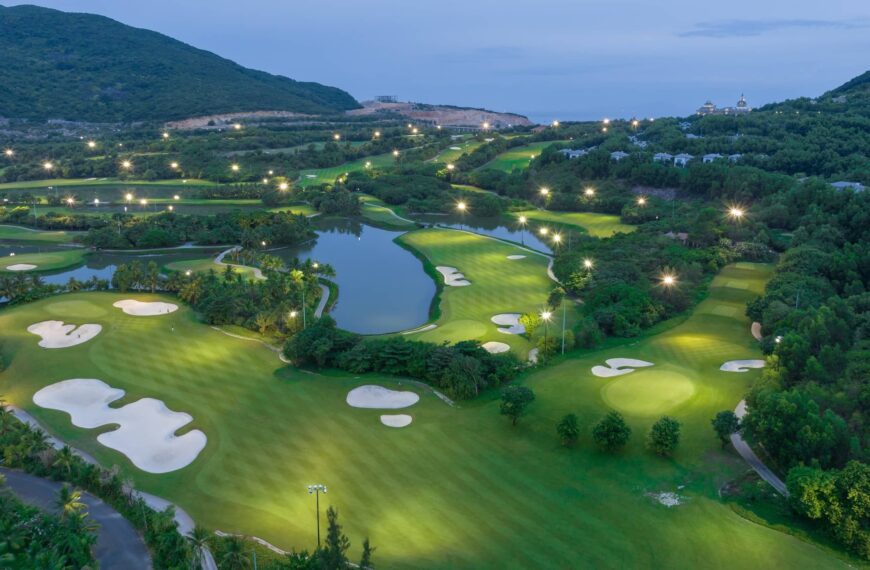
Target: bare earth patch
{"x": 515, "y": 257}
{"x": 667, "y": 499}
{"x": 56, "y": 334}
{"x": 378, "y": 397}
{"x": 147, "y": 427}
{"x": 140, "y": 309}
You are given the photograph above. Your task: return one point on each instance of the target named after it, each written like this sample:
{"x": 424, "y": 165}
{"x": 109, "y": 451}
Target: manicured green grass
{"x": 517, "y": 158}
{"x": 598, "y": 225}
{"x": 376, "y": 211}
{"x": 457, "y": 149}
{"x": 498, "y": 285}
{"x": 290, "y": 149}
{"x": 460, "y": 487}
{"x": 67, "y": 182}
{"x": 328, "y": 175}
{"x": 47, "y": 261}
{"x": 21, "y": 234}
{"x": 205, "y": 265}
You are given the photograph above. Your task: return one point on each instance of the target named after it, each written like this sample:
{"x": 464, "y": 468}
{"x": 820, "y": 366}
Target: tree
{"x": 69, "y": 502}
{"x": 234, "y": 557}
{"x": 568, "y": 429}
{"x": 611, "y": 432}
{"x": 198, "y": 538}
{"x": 333, "y": 556}
{"x": 530, "y": 322}
{"x": 664, "y": 436}
{"x": 514, "y": 401}
{"x": 365, "y": 562}
{"x": 725, "y": 423}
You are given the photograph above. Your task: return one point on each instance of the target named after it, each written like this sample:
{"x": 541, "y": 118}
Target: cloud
{"x": 746, "y": 28}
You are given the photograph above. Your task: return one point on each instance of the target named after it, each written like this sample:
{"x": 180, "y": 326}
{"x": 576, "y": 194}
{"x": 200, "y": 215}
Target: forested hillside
{"x": 59, "y": 65}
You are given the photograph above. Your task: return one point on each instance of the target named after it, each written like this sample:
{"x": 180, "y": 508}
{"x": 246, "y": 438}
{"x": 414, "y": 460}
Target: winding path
{"x": 746, "y": 452}
{"x": 185, "y": 521}
{"x": 219, "y": 260}
{"x": 118, "y": 543}
{"x": 324, "y": 299}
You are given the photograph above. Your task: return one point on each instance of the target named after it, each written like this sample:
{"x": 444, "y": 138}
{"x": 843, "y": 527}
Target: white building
{"x": 712, "y": 157}
{"x": 663, "y": 157}
{"x": 570, "y": 153}
{"x": 682, "y": 159}
{"x": 709, "y": 108}
{"x": 618, "y": 155}
{"x": 843, "y": 185}
{"x": 734, "y": 157}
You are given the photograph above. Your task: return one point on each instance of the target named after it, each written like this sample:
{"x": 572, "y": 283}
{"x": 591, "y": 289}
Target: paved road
{"x": 324, "y": 298}
{"x": 746, "y": 452}
{"x": 118, "y": 544}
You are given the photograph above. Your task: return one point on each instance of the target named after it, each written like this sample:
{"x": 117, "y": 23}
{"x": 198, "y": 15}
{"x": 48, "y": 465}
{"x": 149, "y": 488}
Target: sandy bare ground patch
{"x": 56, "y": 334}
{"x": 741, "y": 365}
{"x": 424, "y": 328}
{"x": 140, "y": 309}
{"x": 378, "y": 397}
{"x": 618, "y": 367}
{"x": 21, "y": 267}
{"x": 756, "y": 330}
{"x": 396, "y": 420}
{"x": 494, "y": 347}
{"x": 667, "y": 499}
{"x": 515, "y": 257}
{"x": 452, "y": 276}
{"x": 147, "y": 427}
{"x": 509, "y": 323}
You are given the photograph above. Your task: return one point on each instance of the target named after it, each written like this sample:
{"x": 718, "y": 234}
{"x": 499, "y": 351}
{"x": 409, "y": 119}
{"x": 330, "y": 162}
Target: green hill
{"x": 59, "y": 65}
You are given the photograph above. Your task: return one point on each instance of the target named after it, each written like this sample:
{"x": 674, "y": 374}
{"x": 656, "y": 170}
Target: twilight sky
{"x": 548, "y": 59}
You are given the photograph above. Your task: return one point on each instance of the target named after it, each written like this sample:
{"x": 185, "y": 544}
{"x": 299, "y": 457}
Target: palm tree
{"x": 234, "y": 557}
{"x": 65, "y": 459}
{"x": 69, "y": 502}
{"x": 199, "y": 539}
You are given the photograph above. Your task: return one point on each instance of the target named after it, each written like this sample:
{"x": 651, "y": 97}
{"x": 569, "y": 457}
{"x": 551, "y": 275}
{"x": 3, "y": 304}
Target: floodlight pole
{"x": 564, "y": 310}
{"x": 316, "y": 490}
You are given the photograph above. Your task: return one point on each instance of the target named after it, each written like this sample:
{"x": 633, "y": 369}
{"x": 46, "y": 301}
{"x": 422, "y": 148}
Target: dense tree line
{"x": 251, "y": 229}
{"x": 462, "y": 370}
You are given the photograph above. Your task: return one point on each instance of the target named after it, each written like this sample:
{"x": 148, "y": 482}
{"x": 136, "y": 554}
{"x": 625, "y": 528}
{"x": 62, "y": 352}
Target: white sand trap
{"x": 378, "y": 397}
{"x": 140, "y": 309}
{"x": 310, "y": 176}
{"x": 495, "y": 347}
{"x": 455, "y": 148}
{"x": 55, "y": 334}
{"x": 452, "y": 276}
{"x": 618, "y": 367}
{"x": 397, "y": 420}
{"x": 667, "y": 499}
{"x": 756, "y": 330}
{"x": 741, "y": 365}
{"x": 20, "y": 267}
{"x": 509, "y": 323}
{"x": 515, "y": 257}
{"x": 147, "y": 427}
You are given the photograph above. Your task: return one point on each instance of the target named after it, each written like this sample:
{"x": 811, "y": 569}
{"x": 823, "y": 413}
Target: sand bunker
{"x": 378, "y": 397}
{"x": 515, "y": 257}
{"x": 495, "y": 347}
{"x": 147, "y": 426}
{"x": 396, "y": 421}
{"x": 55, "y": 334}
{"x": 667, "y": 499}
{"x": 452, "y": 276}
{"x": 21, "y": 267}
{"x": 140, "y": 309}
{"x": 509, "y": 323}
{"x": 756, "y": 330}
{"x": 618, "y": 367}
{"x": 741, "y": 365}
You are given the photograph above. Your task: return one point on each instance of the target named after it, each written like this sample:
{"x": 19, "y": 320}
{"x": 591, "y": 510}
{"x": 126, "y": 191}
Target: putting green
{"x": 517, "y": 158}
{"x": 22, "y": 234}
{"x": 46, "y": 261}
{"x": 648, "y": 392}
{"x": 328, "y": 175}
{"x": 598, "y": 225}
{"x": 498, "y": 285}
{"x": 459, "y": 487}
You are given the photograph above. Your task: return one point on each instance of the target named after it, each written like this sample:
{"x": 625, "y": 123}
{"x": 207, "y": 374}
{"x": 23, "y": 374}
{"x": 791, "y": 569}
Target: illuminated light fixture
{"x": 9, "y": 152}
{"x": 92, "y": 144}
{"x": 173, "y": 165}
{"x": 127, "y": 164}
{"x": 641, "y": 201}
{"x": 234, "y": 168}
{"x": 283, "y": 186}
{"x": 336, "y": 136}
{"x": 237, "y": 126}
{"x": 451, "y": 166}
{"x": 668, "y": 280}
{"x": 461, "y": 206}
{"x": 176, "y": 197}
{"x": 543, "y": 231}
{"x": 48, "y": 166}
{"x": 587, "y": 263}
{"x": 545, "y": 191}
{"x": 589, "y": 192}
{"x": 165, "y": 135}
{"x": 395, "y": 153}
{"x": 556, "y": 123}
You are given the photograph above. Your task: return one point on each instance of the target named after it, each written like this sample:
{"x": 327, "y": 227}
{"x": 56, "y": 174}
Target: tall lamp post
{"x": 462, "y": 207}
{"x": 523, "y": 221}
{"x": 545, "y": 316}
{"x": 316, "y": 490}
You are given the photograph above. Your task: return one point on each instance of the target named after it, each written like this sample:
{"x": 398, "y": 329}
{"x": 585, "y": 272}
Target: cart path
{"x": 746, "y": 452}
